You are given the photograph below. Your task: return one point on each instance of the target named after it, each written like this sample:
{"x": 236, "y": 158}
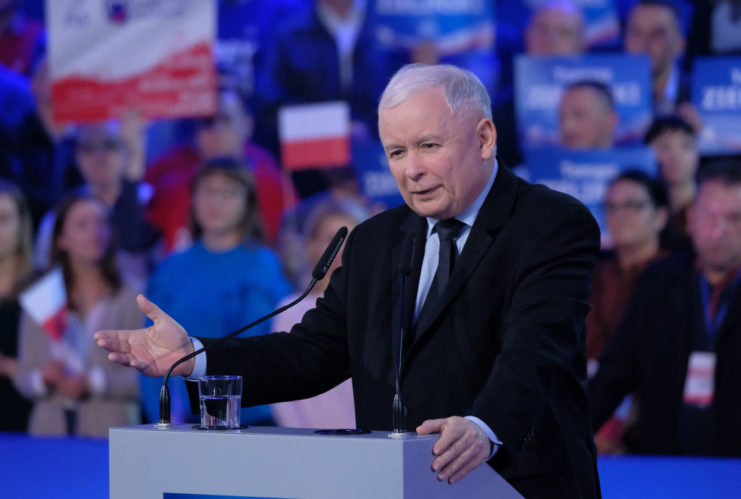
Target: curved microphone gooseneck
{"x": 320, "y": 270}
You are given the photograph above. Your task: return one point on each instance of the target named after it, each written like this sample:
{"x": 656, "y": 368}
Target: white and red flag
{"x": 315, "y": 135}
{"x": 109, "y": 56}
{"x": 46, "y": 303}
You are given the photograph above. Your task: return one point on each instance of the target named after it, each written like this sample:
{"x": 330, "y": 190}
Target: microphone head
{"x": 322, "y": 266}
{"x": 406, "y": 259}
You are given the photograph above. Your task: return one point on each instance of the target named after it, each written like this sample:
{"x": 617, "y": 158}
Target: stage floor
{"x": 60, "y": 468}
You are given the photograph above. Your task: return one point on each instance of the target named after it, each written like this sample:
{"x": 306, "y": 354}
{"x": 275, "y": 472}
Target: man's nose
{"x": 415, "y": 167}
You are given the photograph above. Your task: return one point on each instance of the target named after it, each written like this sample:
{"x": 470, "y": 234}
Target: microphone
{"x": 320, "y": 270}
{"x": 405, "y": 268}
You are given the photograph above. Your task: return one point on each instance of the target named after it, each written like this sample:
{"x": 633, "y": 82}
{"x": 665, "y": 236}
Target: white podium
{"x": 265, "y": 462}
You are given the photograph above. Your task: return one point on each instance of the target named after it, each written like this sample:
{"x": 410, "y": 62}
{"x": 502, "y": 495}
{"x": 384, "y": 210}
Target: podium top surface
{"x": 278, "y": 431}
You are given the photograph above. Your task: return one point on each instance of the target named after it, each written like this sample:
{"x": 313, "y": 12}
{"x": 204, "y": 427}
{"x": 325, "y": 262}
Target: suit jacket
{"x": 505, "y": 342}
{"x": 649, "y": 354}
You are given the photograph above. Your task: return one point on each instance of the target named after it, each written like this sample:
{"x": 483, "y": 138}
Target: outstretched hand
{"x": 151, "y": 350}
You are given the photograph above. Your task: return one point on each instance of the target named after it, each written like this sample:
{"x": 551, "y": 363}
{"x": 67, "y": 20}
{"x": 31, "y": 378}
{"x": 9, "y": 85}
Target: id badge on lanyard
{"x": 699, "y": 386}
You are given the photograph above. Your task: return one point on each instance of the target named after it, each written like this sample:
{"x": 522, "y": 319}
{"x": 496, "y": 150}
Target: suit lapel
{"x": 493, "y": 215}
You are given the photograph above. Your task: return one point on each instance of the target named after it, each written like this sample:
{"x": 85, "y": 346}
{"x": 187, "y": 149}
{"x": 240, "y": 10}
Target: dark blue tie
{"x": 447, "y": 232}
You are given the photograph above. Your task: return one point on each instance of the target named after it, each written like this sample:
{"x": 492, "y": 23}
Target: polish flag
{"x": 315, "y": 135}
{"x": 46, "y": 303}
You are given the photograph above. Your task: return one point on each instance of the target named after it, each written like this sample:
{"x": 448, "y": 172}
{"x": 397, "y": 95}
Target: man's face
{"x": 224, "y": 134}
{"x": 676, "y": 153}
{"x": 584, "y": 120}
{"x": 653, "y": 30}
{"x": 555, "y": 31}
{"x": 441, "y": 163}
{"x": 714, "y": 224}
{"x": 100, "y": 154}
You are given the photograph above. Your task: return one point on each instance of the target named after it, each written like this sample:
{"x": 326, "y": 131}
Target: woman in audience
{"x": 636, "y": 209}
{"x": 226, "y": 279}
{"x": 334, "y": 408}
{"x": 75, "y": 389}
{"x": 110, "y": 158}
{"x": 15, "y": 267}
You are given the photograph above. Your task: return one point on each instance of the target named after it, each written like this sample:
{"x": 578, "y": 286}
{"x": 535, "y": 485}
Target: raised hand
{"x": 151, "y": 350}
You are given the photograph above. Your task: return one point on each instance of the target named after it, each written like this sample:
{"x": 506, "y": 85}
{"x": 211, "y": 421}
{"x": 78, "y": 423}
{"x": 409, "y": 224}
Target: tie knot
{"x": 449, "y": 229}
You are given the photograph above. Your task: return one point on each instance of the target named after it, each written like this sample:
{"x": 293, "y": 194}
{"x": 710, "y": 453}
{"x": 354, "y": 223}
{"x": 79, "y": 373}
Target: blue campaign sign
{"x": 540, "y": 81}
{"x": 372, "y": 170}
{"x": 716, "y": 91}
{"x": 455, "y": 27}
{"x": 601, "y": 21}
{"x": 586, "y": 174}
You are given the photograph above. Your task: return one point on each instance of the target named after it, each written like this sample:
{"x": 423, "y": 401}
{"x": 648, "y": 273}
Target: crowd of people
{"x": 199, "y": 215}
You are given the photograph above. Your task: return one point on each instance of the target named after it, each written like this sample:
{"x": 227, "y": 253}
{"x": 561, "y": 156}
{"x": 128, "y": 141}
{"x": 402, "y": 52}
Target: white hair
{"x": 462, "y": 90}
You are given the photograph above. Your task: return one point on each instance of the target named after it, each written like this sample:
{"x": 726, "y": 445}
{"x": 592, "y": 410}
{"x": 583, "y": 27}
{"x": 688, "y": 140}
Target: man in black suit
{"x": 679, "y": 344}
{"x": 495, "y": 357}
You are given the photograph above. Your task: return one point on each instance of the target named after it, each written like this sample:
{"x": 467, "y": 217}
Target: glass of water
{"x": 221, "y": 401}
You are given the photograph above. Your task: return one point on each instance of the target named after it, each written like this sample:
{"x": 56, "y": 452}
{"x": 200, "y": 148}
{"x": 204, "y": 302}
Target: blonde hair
{"x": 25, "y": 230}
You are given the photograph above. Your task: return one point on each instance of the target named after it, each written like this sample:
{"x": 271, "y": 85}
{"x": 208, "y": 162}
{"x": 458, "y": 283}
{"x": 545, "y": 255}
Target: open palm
{"x": 151, "y": 350}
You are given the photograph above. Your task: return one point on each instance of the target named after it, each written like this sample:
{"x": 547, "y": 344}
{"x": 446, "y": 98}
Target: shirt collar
{"x": 468, "y": 216}
{"x": 335, "y": 23}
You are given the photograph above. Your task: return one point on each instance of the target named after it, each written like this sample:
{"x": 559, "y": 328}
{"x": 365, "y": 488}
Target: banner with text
{"x": 540, "y": 81}
{"x": 601, "y": 21}
{"x": 154, "y": 56}
{"x": 716, "y": 92}
{"x": 455, "y": 27}
{"x": 586, "y": 174}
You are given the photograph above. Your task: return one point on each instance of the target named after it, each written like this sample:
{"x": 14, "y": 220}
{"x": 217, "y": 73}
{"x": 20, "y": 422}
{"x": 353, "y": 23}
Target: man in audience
{"x": 328, "y": 53}
{"x": 674, "y": 143}
{"x": 654, "y": 28}
{"x": 586, "y": 116}
{"x": 556, "y": 28}
{"x": 679, "y": 344}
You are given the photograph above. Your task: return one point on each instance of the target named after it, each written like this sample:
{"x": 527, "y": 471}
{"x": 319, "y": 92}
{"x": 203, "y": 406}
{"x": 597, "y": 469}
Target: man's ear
{"x": 487, "y": 134}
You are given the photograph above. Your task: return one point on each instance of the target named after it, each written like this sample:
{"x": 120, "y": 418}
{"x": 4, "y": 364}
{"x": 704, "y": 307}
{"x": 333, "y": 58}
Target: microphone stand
{"x": 405, "y": 267}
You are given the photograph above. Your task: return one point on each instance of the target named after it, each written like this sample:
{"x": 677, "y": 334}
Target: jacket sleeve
{"x": 309, "y": 360}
